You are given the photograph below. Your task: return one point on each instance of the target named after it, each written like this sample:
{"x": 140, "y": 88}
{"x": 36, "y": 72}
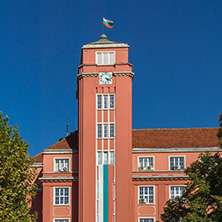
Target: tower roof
{"x": 104, "y": 42}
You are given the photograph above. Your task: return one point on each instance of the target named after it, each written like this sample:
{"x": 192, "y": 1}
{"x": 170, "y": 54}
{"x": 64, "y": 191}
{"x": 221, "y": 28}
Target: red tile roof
{"x": 154, "y": 138}
{"x": 69, "y": 142}
{"x": 175, "y": 138}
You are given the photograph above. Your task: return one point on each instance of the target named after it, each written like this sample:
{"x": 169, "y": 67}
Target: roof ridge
{"x": 193, "y": 128}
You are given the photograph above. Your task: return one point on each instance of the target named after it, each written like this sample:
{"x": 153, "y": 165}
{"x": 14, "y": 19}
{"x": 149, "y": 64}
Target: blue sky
{"x": 175, "y": 49}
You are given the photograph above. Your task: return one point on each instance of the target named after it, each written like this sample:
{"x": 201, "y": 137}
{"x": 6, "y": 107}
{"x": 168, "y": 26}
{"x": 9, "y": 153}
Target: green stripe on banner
{"x": 105, "y": 193}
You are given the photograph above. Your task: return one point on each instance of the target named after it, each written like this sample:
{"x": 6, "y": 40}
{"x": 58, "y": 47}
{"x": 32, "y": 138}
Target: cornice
{"x": 87, "y": 74}
{"x": 124, "y": 73}
{"x": 58, "y": 179}
{"x": 159, "y": 177}
{"x": 116, "y": 45}
{"x": 59, "y": 151}
{"x": 175, "y": 150}
{"x": 95, "y": 74}
{"x": 94, "y": 64}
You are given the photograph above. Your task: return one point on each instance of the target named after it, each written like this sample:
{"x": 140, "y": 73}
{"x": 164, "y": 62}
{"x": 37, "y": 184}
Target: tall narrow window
{"x": 111, "y": 130}
{"x": 105, "y": 130}
{"x": 111, "y": 157}
{"x": 105, "y": 102}
{"x": 99, "y": 158}
{"x": 111, "y": 57}
{"x": 99, "y": 130}
{"x": 111, "y": 101}
{"x": 99, "y": 58}
{"x": 105, "y": 58}
{"x": 105, "y": 157}
{"x": 99, "y": 102}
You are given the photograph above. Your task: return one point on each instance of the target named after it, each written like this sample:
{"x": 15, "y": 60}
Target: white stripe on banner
{"x": 100, "y": 210}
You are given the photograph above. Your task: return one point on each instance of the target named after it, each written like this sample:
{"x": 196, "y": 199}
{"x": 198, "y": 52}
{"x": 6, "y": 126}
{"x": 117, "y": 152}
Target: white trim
{"x": 153, "y": 194}
{"x": 175, "y": 150}
{"x": 112, "y": 45}
{"x": 154, "y": 219}
{"x": 59, "y": 151}
{"x": 175, "y": 156}
{"x": 61, "y": 187}
{"x": 61, "y": 158}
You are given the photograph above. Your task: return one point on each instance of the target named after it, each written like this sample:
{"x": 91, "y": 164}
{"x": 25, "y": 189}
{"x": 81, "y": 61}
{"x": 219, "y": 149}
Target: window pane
{"x": 111, "y": 98}
{"x": 181, "y": 163}
{"x": 99, "y": 102}
{"x": 111, "y": 130}
{"x": 99, "y": 130}
{"x": 111, "y": 157}
{"x": 105, "y": 128}
{"x": 105, "y": 157}
{"x": 105, "y": 58}
{"x": 99, "y": 158}
{"x": 105, "y": 102}
{"x": 111, "y": 58}
{"x": 99, "y": 58}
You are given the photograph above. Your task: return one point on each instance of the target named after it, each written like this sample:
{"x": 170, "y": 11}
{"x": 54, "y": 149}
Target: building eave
{"x": 159, "y": 177}
{"x": 176, "y": 150}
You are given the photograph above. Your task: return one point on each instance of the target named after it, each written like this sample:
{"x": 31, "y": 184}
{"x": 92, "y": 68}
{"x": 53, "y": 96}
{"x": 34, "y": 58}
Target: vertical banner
{"x": 105, "y": 193}
{"x": 106, "y": 204}
{"x": 111, "y": 203}
{"x": 100, "y": 205}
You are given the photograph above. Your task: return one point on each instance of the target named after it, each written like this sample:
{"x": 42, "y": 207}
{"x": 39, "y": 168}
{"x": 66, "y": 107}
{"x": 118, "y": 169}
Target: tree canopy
{"x": 16, "y": 177}
{"x": 202, "y": 199}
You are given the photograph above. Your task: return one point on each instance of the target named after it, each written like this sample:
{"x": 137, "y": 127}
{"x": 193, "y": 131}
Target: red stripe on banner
{"x": 111, "y": 204}
{"x": 109, "y": 26}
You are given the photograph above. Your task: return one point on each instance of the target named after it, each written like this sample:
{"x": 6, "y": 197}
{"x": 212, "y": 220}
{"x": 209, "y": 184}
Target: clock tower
{"x": 105, "y": 132}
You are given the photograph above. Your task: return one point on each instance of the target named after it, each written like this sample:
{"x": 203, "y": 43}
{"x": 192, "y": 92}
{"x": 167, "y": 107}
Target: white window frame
{"x": 153, "y": 194}
{"x": 108, "y": 157}
{"x": 61, "y": 187}
{"x": 138, "y": 162}
{"x": 103, "y": 130}
{"x": 62, "y": 158}
{"x": 175, "y": 186}
{"x": 108, "y": 59}
{"x": 154, "y": 219}
{"x": 54, "y": 220}
{"x": 177, "y": 156}
{"x": 97, "y": 128}
{"x": 97, "y": 96}
{"x": 102, "y": 101}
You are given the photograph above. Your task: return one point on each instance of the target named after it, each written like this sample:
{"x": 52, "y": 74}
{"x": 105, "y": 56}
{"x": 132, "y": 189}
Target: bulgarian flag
{"x": 108, "y": 23}
{"x": 105, "y": 192}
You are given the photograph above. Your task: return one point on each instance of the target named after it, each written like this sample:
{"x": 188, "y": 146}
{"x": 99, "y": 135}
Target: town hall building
{"x": 105, "y": 171}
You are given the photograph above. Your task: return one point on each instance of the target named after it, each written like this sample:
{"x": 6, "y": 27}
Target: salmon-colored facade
{"x": 105, "y": 171}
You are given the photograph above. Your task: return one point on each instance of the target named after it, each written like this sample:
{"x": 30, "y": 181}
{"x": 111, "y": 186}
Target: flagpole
{"x": 103, "y": 28}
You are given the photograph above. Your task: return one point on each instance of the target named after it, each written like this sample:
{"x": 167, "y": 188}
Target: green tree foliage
{"x": 202, "y": 199}
{"x": 16, "y": 177}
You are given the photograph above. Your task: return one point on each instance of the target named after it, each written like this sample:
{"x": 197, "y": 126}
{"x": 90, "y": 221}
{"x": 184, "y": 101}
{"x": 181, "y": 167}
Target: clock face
{"x": 105, "y": 78}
